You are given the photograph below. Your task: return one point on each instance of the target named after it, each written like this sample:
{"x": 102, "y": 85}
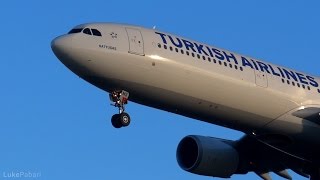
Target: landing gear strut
{"x": 120, "y": 99}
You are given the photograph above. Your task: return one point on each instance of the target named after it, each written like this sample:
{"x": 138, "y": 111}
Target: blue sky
{"x": 55, "y": 123}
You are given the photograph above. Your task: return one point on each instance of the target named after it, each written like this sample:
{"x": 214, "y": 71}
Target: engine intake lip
{"x": 189, "y": 153}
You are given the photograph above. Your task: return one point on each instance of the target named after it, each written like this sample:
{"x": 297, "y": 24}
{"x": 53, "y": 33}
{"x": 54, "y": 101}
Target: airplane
{"x": 277, "y": 108}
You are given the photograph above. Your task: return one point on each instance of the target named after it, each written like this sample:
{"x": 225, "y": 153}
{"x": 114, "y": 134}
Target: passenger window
{"x": 87, "y": 31}
{"x": 95, "y": 32}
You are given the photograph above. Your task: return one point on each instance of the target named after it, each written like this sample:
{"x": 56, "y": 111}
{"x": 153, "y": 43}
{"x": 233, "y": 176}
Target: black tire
{"x": 115, "y": 121}
{"x": 124, "y": 119}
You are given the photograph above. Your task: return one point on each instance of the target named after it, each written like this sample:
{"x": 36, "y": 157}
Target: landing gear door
{"x": 135, "y": 41}
{"x": 261, "y": 78}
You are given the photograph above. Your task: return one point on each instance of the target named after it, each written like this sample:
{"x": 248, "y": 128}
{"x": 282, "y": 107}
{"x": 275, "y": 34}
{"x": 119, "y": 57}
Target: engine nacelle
{"x": 207, "y": 156}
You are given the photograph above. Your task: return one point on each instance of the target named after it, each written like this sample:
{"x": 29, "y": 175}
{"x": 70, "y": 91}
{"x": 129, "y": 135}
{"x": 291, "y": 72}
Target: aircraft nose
{"x": 62, "y": 46}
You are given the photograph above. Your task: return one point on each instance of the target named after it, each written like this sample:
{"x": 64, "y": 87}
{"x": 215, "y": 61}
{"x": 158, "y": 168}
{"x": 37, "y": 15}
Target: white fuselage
{"x": 196, "y": 80}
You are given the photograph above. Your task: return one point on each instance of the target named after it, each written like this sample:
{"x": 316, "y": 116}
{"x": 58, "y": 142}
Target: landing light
{"x": 156, "y": 57}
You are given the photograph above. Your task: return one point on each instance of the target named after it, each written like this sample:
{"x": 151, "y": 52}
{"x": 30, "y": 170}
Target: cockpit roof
{"x": 102, "y": 24}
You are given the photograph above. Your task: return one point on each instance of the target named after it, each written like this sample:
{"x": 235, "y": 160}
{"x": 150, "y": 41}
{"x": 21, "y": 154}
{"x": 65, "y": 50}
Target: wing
{"x": 311, "y": 114}
{"x": 262, "y": 155}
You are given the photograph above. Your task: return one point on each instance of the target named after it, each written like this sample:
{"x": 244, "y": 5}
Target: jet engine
{"x": 207, "y": 156}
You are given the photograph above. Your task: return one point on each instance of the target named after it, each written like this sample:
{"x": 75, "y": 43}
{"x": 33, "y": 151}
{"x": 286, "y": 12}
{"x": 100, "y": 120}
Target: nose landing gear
{"x": 120, "y": 99}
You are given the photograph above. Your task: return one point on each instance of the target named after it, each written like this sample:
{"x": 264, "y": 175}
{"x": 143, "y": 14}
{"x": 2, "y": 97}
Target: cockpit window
{"x": 76, "y": 30}
{"x": 95, "y": 32}
{"x": 87, "y": 31}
